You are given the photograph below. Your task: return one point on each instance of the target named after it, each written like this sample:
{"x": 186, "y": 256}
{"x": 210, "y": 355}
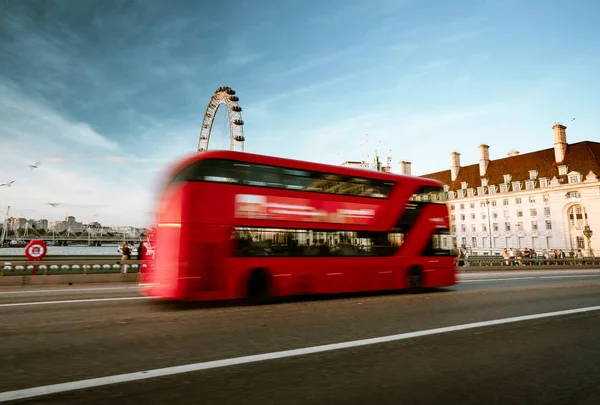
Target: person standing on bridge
{"x": 141, "y": 251}
{"x": 141, "y": 254}
{"x": 125, "y": 255}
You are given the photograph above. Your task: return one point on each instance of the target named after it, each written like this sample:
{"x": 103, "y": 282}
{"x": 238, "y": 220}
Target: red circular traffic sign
{"x": 36, "y": 249}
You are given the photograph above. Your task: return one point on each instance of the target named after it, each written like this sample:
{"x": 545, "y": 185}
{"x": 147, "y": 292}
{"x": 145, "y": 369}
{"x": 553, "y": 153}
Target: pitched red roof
{"x": 580, "y": 157}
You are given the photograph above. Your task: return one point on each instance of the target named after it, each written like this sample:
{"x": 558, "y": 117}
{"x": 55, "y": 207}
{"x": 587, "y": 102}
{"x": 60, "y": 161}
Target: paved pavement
{"x": 110, "y": 330}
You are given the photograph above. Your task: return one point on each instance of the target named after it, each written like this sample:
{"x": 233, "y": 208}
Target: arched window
{"x": 577, "y": 217}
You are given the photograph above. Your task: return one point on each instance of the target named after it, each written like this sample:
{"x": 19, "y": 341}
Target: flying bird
{"x": 572, "y": 119}
{"x": 53, "y": 204}
{"x": 35, "y": 165}
{"x": 7, "y": 184}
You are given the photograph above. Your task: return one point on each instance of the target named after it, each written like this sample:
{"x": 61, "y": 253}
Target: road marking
{"x": 187, "y": 368}
{"x": 68, "y": 290}
{"x": 479, "y": 280}
{"x": 22, "y": 304}
{"x": 483, "y": 280}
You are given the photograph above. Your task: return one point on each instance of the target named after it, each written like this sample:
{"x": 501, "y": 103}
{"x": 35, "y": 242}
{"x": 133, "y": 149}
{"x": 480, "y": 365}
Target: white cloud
{"x": 77, "y": 166}
{"x": 25, "y": 118}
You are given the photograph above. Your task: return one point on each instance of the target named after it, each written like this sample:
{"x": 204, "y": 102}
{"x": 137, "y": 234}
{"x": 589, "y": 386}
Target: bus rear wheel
{"x": 415, "y": 280}
{"x": 258, "y": 290}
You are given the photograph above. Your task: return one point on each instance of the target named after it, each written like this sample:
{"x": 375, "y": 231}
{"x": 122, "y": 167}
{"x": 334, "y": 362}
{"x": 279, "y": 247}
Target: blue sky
{"x": 106, "y": 93}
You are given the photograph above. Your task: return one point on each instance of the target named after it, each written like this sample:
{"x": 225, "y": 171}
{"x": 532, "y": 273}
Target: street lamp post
{"x": 487, "y": 203}
{"x": 588, "y": 233}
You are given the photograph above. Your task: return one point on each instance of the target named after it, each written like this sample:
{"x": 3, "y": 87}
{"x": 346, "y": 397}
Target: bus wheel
{"x": 258, "y": 287}
{"x": 415, "y": 280}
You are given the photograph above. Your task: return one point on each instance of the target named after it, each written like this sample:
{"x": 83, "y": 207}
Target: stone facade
{"x": 540, "y": 200}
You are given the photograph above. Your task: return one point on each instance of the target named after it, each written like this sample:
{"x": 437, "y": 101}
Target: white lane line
{"x": 187, "y": 368}
{"x": 22, "y": 304}
{"x": 483, "y": 280}
{"x": 68, "y": 290}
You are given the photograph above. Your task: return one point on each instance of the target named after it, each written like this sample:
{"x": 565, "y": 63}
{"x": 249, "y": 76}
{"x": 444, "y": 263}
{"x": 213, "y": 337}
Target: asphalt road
{"x": 69, "y": 334}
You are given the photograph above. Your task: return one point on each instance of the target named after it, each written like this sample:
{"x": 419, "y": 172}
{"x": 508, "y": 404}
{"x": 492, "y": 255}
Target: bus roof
{"x": 296, "y": 164}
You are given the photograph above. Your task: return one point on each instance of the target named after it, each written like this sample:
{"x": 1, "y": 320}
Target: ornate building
{"x": 547, "y": 199}
{"x": 376, "y": 164}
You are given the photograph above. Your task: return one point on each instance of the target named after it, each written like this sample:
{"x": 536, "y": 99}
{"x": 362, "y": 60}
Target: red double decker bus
{"x": 234, "y": 225}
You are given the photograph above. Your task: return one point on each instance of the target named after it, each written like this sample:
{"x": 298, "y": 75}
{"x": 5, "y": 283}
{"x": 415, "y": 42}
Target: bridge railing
{"x": 498, "y": 263}
{"x": 77, "y": 238}
{"x": 61, "y": 267}
{"x": 56, "y": 266}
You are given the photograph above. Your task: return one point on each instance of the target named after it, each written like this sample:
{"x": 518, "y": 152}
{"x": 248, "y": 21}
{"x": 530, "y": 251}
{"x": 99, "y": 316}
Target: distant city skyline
{"x": 68, "y": 223}
{"x": 104, "y": 95}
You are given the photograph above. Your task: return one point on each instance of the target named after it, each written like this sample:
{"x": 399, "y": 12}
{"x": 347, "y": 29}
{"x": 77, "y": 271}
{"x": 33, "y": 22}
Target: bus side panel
{"x": 386, "y": 273}
{"x": 294, "y": 276}
{"x": 371, "y": 273}
{"x": 287, "y": 276}
{"x": 437, "y": 271}
{"x": 440, "y": 273}
{"x": 321, "y": 275}
{"x": 297, "y": 275}
{"x": 317, "y": 275}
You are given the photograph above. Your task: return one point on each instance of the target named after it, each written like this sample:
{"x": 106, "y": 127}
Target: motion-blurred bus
{"x": 233, "y": 225}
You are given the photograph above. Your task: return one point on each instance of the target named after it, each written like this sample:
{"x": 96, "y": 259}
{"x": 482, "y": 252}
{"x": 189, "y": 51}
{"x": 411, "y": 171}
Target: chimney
{"x": 388, "y": 165}
{"x": 560, "y": 142}
{"x": 484, "y": 159}
{"x": 513, "y": 153}
{"x": 454, "y": 165}
{"x": 405, "y": 168}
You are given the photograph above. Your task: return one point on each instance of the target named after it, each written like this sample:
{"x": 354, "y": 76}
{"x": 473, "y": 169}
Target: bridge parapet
{"x": 11, "y": 266}
{"x": 73, "y": 266}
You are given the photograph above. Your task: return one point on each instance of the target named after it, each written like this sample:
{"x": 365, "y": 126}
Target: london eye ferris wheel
{"x": 223, "y": 96}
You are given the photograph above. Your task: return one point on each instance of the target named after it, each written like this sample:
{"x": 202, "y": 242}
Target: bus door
{"x": 427, "y": 232}
{"x": 208, "y": 249}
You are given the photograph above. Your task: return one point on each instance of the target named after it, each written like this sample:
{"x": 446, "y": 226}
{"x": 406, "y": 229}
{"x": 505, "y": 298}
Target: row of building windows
{"x": 576, "y": 214}
{"x": 507, "y": 226}
{"x": 506, "y": 201}
{"x": 532, "y": 212}
{"x": 507, "y": 242}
